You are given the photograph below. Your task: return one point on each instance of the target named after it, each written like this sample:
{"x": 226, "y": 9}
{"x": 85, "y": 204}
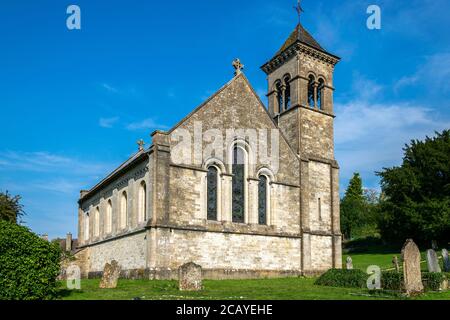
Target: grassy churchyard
{"x": 264, "y": 289}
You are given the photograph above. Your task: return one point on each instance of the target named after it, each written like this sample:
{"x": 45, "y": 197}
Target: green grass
{"x": 265, "y": 289}
{"x": 364, "y": 252}
{"x": 378, "y": 257}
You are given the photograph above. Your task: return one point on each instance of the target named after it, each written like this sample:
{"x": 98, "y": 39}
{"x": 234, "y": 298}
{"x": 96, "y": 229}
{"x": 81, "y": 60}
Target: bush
{"x": 28, "y": 265}
{"x": 343, "y": 278}
{"x": 392, "y": 280}
{"x": 432, "y": 281}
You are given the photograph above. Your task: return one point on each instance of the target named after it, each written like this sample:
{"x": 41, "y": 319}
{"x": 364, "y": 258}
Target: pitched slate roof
{"x": 302, "y": 35}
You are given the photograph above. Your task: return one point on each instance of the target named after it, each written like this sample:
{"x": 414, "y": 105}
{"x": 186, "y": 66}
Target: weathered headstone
{"x": 190, "y": 277}
{"x": 411, "y": 268}
{"x": 395, "y": 263}
{"x": 433, "y": 261}
{"x": 111, "y": 274}
{"x": 446, "y": 260}
{"x": 349, "y": 263}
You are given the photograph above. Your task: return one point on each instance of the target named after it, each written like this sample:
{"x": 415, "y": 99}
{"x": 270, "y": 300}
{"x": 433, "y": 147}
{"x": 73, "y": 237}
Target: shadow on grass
{"x": 370, "y": 245}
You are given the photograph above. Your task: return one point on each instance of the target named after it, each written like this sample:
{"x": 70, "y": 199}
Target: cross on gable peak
{"x": 141, "y": 144}
{"x": 238, "y": 66}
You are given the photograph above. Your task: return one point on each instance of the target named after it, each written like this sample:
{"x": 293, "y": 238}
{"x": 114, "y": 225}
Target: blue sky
{"x": 73, "y": 103}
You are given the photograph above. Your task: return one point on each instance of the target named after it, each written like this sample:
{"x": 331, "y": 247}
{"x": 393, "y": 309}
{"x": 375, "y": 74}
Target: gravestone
{"x": 190, "y": 277}
{"x": 433, "y": 261}
{"x": 111, "y": 274}
{"x": 411, "y": 268}
{"x": 395, "y": 263}
{"x": 349, "y": 263}
{"x": 446, "y": 260}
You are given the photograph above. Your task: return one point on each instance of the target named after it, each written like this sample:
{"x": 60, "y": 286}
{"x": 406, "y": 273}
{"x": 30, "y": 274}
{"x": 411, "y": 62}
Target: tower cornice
{"x": 293, "y": 50}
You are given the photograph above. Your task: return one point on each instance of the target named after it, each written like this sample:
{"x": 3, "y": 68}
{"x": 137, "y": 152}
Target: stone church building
{"x": 230, "y": 212}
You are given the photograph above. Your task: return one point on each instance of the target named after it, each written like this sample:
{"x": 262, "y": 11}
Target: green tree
{"x": 29, "y": 265}
{"x": 10, "y": 207}
{"x": 416, "y": 195}
{"x": 352, "y": 206}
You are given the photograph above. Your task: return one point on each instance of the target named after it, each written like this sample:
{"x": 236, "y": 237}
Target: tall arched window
{"x": 97, "y": 222}
{"x": 123, "y": 211}
{"x": 262, "y": 199}
{"x": 311, "y": 95}
{"x": 287, "y": 93}
{"x": 109, "y": 217}
{"x": 86, "y": 226}
{"x": 142, "y": 202}
{"x": 279, "y": 90}
{"x": 238, "y": 170}
{"x": 212, "y": 189}
{"x": 320, "y": 89}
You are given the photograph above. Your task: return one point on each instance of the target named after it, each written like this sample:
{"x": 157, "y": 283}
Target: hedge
{"x": 392, "y": 280}
{"x": 343, "y": 278}
{"x": 28, "y": 265}
{"x": 432, "y": 281}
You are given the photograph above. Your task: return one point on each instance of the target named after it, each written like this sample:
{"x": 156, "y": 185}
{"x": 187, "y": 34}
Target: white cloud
{"x": 48, "y": 162}
{"x": 109, "y": 88}
{"x": 146, "y": 124}
{"x": 107, "y": 122}
{"x": 370, "y": 134}
{"x": 434, "y": 74}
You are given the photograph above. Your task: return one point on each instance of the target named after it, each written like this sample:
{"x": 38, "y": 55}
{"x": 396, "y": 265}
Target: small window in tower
{"x": 279, "y": 90}
{"x": 287, "y": 93}
{"x": 320, "y": 90}
{"x": 311, "y": 99}
{"x": 319, "y": 206}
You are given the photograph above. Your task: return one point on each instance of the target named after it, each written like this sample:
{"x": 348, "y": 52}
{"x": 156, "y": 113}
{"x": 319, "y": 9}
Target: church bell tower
{"x": 300, "y": 90}
{"x": 300, "y": 94}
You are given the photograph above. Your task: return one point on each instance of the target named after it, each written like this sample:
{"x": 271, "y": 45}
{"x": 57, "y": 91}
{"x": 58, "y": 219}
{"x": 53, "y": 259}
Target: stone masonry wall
{"x": 320, "y": 196}
{"x": 321, "y": 253}
{"x": 316, "y": 134}
{"x": 129, "y": 252}
{"x": 214, "y": 250}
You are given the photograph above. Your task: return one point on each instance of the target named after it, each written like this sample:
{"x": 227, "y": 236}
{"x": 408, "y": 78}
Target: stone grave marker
{"x": 395, "y": 263}
{"x": 111, "y": 274}
{"x": 446, "y": 260}
{"x": 411, "y": 268}
{"x": 349, "y": 263}
{"x": 190, "y": 277}
{"x": 433, "y": 261}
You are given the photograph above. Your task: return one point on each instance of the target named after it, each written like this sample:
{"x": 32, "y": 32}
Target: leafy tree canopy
{"x": 10, "y": 207}
{"x": 416, "y": 202}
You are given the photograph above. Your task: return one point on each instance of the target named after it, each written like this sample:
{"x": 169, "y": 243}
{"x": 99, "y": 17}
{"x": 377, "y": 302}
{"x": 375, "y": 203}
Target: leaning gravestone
{"x": 433, "y": 261}
{"x": 349, "y": 263}
{"x": 411, "y": 268}
{"x": 111, "y": 274}
{"x": 395, "y": 263}
{"x": 446, "y": 260}
{"x": 190, "y": 277}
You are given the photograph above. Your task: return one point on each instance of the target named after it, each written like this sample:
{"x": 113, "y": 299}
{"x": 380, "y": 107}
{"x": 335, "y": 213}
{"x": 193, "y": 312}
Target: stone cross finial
{"x": 141, "y": 144}
{"x": 238, "y": 66}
